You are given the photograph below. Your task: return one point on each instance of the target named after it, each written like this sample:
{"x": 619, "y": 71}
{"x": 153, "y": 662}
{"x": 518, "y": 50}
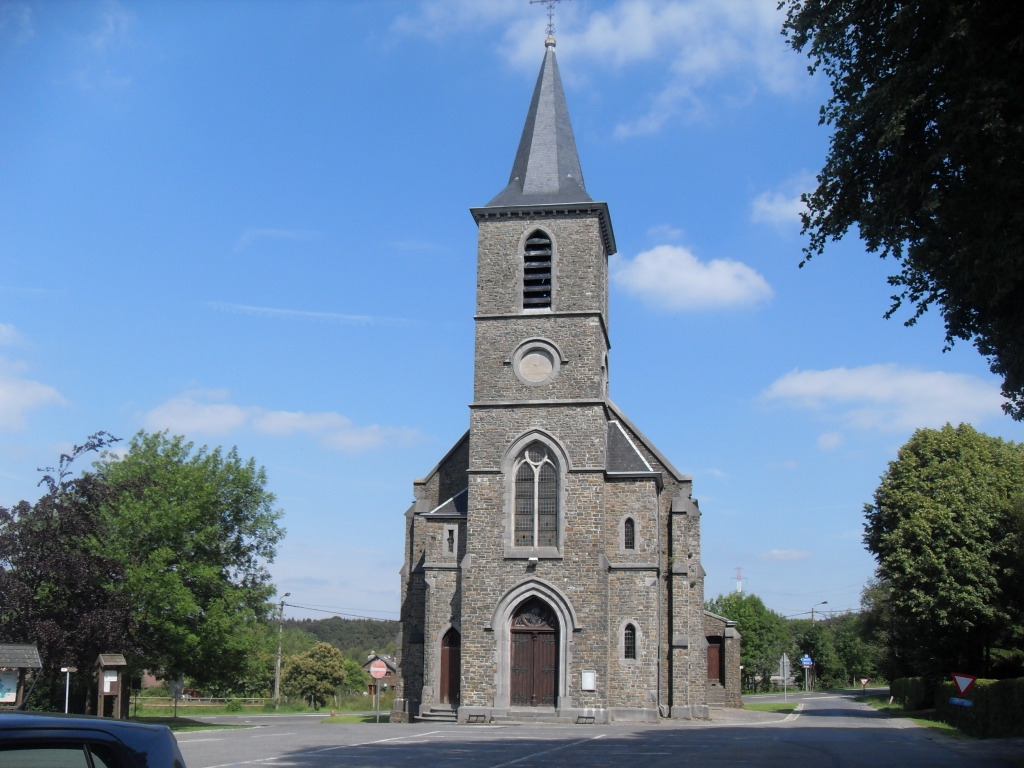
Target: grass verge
{"x": 780, "y": 706}
{"x": 924, "y": 717}
{"x": 183, "y": 723}
{"x": 384, "y": 717}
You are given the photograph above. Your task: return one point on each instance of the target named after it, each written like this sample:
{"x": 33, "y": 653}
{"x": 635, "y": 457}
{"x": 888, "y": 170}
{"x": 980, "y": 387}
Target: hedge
{"x": 913, "y": 693}
{"x": 998, "y": 710}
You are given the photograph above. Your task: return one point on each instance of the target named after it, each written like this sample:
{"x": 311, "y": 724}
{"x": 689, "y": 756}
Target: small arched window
{"x": 629, "y": 534}
{"x": 537, "y": 271}
{"x": 629, "y": 642}
{"x": 536, "y": 523}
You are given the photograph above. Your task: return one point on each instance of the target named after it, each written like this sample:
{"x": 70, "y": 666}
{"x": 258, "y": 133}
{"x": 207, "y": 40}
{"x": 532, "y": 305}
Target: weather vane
{"x": 551, "y": 13}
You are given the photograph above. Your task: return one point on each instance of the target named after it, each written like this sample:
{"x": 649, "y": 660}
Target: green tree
{"x": 763, "y": 632}
{"x": 193, "y": 531}
{"x": 945, "y": 529}
{"x": 315, "y": 675}
{"x": 54, "y": 590}
{"x": 356, "y": 678}
{"x": 927, "y": 157}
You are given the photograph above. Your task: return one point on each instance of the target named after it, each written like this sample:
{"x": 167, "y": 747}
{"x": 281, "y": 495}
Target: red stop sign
{"x": 378, "y": 669}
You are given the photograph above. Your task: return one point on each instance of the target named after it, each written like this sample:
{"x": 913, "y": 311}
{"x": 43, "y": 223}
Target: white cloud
{"x": 208, "y": 412}
{"x": 251, "y": 236}
{"x": 696, "y": 43}
{"x": 9, "y": 335}
{"x": 888, "y": 397}
{"x": 16, "y": 27}
{"x": 19, "y": 395}
{"x": 783, "y": 205}
{"x": 777, "y": 208}
{"x": 298, "y": 314}
{"x": 785, "y": 554}
{"x": 829, "y": 441}
{"x": 670, "y": 277}
{"x": 665, "y": 232}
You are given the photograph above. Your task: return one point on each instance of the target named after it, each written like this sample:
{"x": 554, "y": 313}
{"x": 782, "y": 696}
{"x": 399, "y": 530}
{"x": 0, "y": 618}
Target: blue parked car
{"x": 78, "y": 741}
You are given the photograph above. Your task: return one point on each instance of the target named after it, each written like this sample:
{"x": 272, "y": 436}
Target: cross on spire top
{"x": 551, "y": 14}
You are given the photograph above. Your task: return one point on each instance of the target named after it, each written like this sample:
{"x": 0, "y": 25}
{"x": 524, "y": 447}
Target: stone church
{"x": 552, "y": 568}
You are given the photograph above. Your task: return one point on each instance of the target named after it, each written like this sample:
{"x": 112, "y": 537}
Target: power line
{"x": 346, "y": 608}
{"x": 337, "y": 613}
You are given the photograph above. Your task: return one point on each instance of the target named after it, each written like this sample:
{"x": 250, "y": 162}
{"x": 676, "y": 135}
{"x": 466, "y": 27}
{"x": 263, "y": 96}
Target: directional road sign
{"x": 378, "y": 669}
{"x": 963, "y": 682}
{"x": 960, "y": 702}
{"x": 806, "y": 661}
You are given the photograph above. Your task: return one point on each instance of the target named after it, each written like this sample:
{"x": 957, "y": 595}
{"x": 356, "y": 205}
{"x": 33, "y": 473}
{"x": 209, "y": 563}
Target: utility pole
{"x": 739, "y": 581}
{"x": 277, "y": 673}
{"x": 815, "y": 606}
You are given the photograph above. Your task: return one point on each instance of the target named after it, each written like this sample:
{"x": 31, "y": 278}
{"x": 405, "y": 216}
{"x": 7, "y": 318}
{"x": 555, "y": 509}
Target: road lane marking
{"x": 268, "y": 735}
{"x": 794, "y": 714}
{"x": 547, "y": 751}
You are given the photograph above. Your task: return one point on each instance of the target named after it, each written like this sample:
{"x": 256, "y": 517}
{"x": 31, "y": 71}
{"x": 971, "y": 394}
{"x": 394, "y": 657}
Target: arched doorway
{"x": 534, "y": 662}
{"x": 451, "y": 667}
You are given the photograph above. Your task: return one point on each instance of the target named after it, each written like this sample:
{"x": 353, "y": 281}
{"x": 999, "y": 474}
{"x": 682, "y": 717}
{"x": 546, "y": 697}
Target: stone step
{"x": 430, "y": 715}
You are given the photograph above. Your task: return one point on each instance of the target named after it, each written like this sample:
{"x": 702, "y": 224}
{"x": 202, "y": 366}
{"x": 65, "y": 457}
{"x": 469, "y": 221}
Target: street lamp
{"x": 67, "y": 685}
{"x": 825, "y": 602}
{"x": 277, "y": 674}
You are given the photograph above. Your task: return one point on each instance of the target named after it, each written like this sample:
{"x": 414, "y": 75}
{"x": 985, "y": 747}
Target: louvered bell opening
{"x": 537, "y": 272}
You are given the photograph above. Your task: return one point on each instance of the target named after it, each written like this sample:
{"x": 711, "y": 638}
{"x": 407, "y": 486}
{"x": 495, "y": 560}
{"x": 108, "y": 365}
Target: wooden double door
{"x": 451, "y": 667}
{"x": 534, "y": 662}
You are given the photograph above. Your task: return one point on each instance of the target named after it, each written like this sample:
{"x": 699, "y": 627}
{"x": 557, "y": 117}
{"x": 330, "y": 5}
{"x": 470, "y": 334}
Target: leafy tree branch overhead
{"x": 927, "y": 157}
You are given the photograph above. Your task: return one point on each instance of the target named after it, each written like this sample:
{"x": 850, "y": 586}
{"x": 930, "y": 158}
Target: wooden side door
{"x": 714, "y": 661}
{"x": 521, "y": 667}
{"x": 451, "y": 667}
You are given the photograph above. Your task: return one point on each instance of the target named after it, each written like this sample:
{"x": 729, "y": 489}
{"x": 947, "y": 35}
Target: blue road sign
{"x": 805, "y": 661}
{"x": 961, "y": 702}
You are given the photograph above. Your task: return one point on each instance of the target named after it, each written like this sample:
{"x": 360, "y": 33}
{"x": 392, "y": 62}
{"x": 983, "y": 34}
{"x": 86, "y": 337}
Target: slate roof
{"x": 20, "y": 657}
{"x": 547, "y": 167}
{"x": 622, "y": 454}
{"x": 455, "y": 506}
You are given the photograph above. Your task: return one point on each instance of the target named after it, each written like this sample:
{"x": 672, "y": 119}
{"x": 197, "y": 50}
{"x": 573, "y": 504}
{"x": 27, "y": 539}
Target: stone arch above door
{"x": 501, "y": 625}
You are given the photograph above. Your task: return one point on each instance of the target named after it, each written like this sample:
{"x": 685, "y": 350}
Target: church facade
{"x": 552, "y": 568}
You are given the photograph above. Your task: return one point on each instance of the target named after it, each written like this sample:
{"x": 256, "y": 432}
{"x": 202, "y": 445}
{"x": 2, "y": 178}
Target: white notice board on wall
{"x": 8, "y": 686}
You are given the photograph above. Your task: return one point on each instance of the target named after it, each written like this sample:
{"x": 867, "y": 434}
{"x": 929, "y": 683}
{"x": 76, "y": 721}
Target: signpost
{"x": 963, "y": 684}
{"x": 377, "y": 670}
{"x": 784, "y": 672}
{"x": 67, "y": 685}
{"x": 806, "y": 662}
{"x": 864, "y": 683}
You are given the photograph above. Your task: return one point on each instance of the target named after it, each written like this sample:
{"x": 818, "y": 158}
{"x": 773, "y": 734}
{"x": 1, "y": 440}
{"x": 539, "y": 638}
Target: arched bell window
{"x": 536, "y": 511}
{"x": 629, "y": 534}
{"x": 537, "y": 271}
{"x": 629, "y": 642}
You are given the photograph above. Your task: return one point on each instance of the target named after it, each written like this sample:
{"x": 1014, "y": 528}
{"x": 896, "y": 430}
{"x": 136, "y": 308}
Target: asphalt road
{"x": 829, "y": 730}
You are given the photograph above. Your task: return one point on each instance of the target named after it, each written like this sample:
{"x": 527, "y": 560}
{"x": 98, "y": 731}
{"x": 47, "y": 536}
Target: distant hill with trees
{"x": 350, "y": 636}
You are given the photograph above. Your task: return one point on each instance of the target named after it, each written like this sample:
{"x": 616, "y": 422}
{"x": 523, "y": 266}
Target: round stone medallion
{"x": 536, "y": 365}
{"x": 536, "y": 362}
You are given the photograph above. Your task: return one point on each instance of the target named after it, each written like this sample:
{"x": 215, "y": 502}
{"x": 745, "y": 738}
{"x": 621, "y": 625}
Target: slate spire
{"x": 547, "y": 168}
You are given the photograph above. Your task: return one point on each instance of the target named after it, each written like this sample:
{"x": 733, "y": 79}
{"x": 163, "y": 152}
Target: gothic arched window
{"x": 629, "y": 534}
{"x": 537, "y": 271}
{"x": 536, "y": 513}
{"x": 629, "y": 642}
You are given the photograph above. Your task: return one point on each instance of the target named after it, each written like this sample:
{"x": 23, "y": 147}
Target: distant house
{"x": 388, "y": 680}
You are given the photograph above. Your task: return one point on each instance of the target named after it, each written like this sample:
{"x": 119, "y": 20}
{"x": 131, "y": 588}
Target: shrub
{"x": 998, "y": 710}
{"x": 234, "y": 706}
{"x": 913, "y": 693}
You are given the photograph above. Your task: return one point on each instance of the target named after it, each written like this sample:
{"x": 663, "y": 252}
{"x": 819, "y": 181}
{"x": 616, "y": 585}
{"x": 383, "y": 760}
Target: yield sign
{"x": 963, "y": 682}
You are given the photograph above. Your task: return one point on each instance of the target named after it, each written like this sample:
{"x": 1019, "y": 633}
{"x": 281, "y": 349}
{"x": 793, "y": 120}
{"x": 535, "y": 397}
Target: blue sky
{"x": 247, "y": 223}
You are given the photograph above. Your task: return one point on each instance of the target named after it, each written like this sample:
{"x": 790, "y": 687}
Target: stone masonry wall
{"x": 580, "y": 274}
{"x": 579, "y": 337}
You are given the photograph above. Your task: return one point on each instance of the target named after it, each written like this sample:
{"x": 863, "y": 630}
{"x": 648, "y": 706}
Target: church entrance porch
{"x": 534, "y": 660}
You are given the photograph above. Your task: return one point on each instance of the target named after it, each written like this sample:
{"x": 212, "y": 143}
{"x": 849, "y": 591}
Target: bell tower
{"x": 542, "y": 268}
